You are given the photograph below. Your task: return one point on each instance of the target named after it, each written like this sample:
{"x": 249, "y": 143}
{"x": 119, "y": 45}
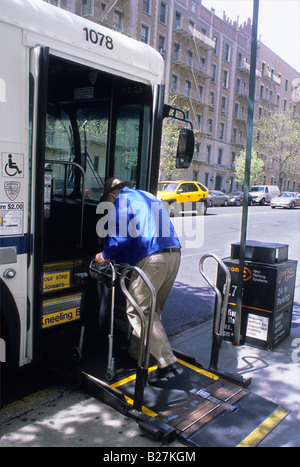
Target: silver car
{"x": 286, "y": 199}
{"x": 218, "y": 198}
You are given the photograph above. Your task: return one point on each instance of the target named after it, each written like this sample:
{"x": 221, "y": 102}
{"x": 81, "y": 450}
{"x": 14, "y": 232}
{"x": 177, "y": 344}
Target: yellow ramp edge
{"x": 257, "y": 435}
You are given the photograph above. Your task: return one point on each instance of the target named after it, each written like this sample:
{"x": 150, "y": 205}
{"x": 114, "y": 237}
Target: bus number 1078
{"x": 98, "y": 38}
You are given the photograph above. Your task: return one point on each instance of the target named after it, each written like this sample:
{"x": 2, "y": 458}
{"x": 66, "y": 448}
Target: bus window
{"x": 132, "y": 143}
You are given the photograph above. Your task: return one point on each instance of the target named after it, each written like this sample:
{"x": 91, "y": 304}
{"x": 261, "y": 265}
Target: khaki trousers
{"x": 161, "y": 269}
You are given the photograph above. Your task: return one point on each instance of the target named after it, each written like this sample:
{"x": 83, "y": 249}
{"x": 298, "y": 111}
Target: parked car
{"x": 237, "y": 198}
{"x": 177, "y": 193}
{"x": 262, "y": 194}
{"x": 286, "y": 199}
{"x": 218, "y": 198}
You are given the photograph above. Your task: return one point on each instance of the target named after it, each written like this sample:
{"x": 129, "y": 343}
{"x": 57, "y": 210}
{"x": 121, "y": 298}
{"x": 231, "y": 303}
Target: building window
{"x": 145, "y": 34}
{"x": 227, "y": 52}
{"x": 190, "y": 58}
{"x": 161, "y": 44}
{"x": 240, "y": 60}
{"x": 234, "y": 135}
{"x": 225, "y": 79}
{"x": 261, "y": 91}
{"x": 188, "y": 88}
{"x": 216, "y": 45}
{"x": 199, "y": 121}
{"x": 86, "y": 7}
{"x": 178, "y": 20}
{"x": 238, "y": 85}
{"x": 213, "y": 73}
{"x": 220, "y": 155}
{"x": 118, "y": 20}
{"x": 176, "y": 51}
{"x": 223, "y": 105}
{"x": 286, "y": 84}
{"x": 200, "y": 93}
{"x": 163, "y": 13}
{"x": 146, "y": 6}
{"x": 210, "y": 126}
{"x": 212, "y": 100}
{"x": 284, "y": 104}
{"x": 236, "y": 110}
{"x": 222, "y": 130}
{"x": 174, "y": 84}
{"x": 208, "y": 152}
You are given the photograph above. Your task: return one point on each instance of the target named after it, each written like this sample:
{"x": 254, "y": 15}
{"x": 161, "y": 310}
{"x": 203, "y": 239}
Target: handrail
{"x": 220, "y": 307}
{"x": 144, "y": 344}
{"x": 83, "y": 190}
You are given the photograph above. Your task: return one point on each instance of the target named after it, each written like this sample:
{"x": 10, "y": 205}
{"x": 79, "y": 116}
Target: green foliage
{"x": 257, "y": 167}
{"x": 278, "y": 143}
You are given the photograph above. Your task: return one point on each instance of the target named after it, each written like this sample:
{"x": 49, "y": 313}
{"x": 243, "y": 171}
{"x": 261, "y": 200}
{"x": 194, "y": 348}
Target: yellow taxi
{"x": 176, "y": 194}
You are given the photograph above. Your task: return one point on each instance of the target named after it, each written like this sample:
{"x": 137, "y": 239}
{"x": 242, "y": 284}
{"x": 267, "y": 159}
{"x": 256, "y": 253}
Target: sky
{"x": 278, "y": 23}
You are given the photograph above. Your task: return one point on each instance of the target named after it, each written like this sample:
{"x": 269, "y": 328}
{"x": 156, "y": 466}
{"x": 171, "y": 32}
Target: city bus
{"x": 79, "y": 103}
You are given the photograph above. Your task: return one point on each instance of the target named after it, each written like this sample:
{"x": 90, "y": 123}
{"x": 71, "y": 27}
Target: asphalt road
{"x": 191, "y": 300}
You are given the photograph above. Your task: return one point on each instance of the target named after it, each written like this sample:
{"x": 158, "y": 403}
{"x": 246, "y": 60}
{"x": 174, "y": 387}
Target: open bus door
{"x": 87, "y": 125}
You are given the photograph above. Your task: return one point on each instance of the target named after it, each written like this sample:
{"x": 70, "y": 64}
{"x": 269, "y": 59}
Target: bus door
{"x": 89, "y": 125}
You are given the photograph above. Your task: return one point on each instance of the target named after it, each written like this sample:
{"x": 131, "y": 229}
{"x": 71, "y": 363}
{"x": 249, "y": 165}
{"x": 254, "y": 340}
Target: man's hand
{"x": 99, "y": 258}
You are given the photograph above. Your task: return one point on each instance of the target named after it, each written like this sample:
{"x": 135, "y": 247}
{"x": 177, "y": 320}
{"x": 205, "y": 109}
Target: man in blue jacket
{"x": 140, "y": 233}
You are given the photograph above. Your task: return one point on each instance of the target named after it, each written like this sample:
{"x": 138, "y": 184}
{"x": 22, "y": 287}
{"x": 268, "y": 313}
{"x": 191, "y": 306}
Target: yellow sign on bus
{"x": 56, "y": 281}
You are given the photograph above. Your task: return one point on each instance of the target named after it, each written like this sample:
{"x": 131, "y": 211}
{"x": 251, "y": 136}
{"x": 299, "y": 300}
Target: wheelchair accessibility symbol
{"x": 12, "y": 165}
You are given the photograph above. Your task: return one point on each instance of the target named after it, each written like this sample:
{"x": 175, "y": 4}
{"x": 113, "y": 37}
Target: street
{"x": 191, "y": 300}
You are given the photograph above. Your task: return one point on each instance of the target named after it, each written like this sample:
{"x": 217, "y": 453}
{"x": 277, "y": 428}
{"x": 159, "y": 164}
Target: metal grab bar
{"x": 74, "y": 164}
{"x": 144, "y": 345}
{"x": 110, "y": 372}
{"x": 220, "y": 307}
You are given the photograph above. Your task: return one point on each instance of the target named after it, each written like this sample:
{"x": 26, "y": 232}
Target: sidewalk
{"x": 68, "y": 417}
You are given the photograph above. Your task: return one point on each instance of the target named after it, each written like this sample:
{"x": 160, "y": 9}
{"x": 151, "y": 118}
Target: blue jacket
{"x": 138, "y": 226}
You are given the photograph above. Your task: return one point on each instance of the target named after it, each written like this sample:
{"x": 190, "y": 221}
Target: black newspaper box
{"x": 268, "y": 294}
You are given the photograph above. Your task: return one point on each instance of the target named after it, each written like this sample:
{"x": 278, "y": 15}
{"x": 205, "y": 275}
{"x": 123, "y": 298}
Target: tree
{"x": 257, "y": 167}
{"x": 278, "y": 143}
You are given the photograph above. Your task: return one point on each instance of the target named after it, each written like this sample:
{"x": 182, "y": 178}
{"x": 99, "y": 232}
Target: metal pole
{"x": 237, "y": 324}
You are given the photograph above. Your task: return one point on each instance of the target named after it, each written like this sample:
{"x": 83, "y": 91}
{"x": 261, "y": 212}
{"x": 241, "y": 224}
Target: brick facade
{"x": 207, "y": 65}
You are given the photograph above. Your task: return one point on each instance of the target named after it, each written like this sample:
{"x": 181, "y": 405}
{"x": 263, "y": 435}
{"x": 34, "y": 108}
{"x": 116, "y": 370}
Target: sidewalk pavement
{"x": 65, "y": 416}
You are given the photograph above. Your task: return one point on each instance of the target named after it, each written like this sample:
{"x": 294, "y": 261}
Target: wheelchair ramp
{"x": 206, "y": 410}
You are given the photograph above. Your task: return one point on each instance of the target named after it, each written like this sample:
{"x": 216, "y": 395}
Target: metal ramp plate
{"x": 206, "y": 410}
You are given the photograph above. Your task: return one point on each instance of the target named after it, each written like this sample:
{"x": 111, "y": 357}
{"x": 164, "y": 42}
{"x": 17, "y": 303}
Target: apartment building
{"x": 207, "y": 66}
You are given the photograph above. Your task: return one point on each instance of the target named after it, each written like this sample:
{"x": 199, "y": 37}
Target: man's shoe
{"x": 164, "y": 374}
